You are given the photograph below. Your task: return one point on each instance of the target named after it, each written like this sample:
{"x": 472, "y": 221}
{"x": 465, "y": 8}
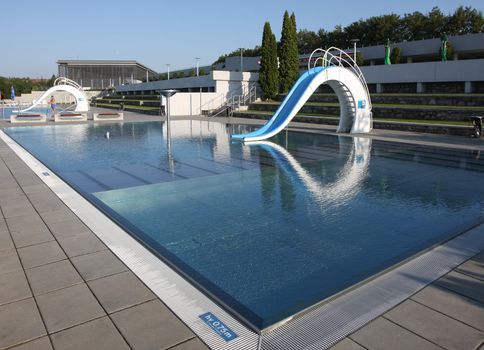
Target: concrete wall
{"x": 190, "y": 103}
{"x": 426, "y": 72}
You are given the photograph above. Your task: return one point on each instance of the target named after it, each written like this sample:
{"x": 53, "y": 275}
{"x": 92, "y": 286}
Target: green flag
{"x": 387, "y": 53}
{"x": 443, "y": 49}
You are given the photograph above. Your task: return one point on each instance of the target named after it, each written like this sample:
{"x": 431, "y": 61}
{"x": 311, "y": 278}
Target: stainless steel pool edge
{"x": 319, "y": 328}
{"x": 187, "y": 302}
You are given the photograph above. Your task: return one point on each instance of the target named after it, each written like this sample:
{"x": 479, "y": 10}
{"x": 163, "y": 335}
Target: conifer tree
{"x": 288, "y": 53}
{"x": 269, "y": 75}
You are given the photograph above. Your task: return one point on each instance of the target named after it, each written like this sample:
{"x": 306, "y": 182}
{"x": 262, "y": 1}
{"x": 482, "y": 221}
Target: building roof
{"x": 105, "y": 63}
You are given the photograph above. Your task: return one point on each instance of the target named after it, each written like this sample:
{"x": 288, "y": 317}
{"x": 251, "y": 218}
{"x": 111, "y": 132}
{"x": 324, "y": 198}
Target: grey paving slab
{"x": 58, "y": 275}
{"x": 120, "y": 291}
{"x": 98, "y": 334}
{"x": 68, "y": 307}
{"x": 151, "y": 326}
{"x": 39, "y": 188}
{"x": 37, "y": 344}
{"x": 192, "y": 344}
{"x": 11, "y": 191}
{"x": 17, "y": 206}
{"x": 20, "y": 322}
{"x": 463, "y": 284}
{"x": 5, "y": 238}
{"x": 347, "y": 344}
{"x": 452, "y": 304}
{"x": 82, "y": 243}
{"x": 473, "y": 268}
{"x": 435, "y": 326}
{"x": 45, "y": 201}
{"x": 64, "y": 225}
{"x": 98, "y": 264}
{"x": 41, "y": 254}
{"x": 382, "y": 334}
{"x": 479, "y": 257}
{"x": 13, "y": 287}
{"x": 9, "y": 261}
{"x": 28, "y": 230}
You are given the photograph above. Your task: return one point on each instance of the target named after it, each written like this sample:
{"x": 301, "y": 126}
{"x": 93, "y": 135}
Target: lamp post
{"x": 354, "y": 41}
{"x": 241, "y": 59}
{"x": 168, "y": 93}
{"x": 168, "y": 70}
{"x": 198, "y": 61}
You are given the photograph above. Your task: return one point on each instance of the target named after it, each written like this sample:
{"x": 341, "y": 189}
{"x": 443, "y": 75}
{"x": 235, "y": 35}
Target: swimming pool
{"x": 267, "y": 229}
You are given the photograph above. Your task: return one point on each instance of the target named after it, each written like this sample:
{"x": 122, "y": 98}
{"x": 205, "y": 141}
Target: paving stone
{"x": 9, "y": 261}
{"x": 47, "y": 278}
{"x": 13, "y": 287}
{"x": 463, "y": 284}
{"x": 382, "y": 334}
{"x": 99, "y": 264}
{"x": 37, "y": 344}
{"x": 28, "y": 230}
{"x": 151, "y": 326}
{"x": 479, "y": 257}
{"x": 40, "y": 188}
{"x": 17, "y": 206}
{"x": 473, "y": 268}
{"x": 452, "y": 304}
{"x": 67, "y": 225}
{"x": 82, "y": 243}
{"x": 19, "y": 323}
{"x": 434, "y": 326}
{"x": 97, "y": 334}
{"x": 193, "y": 344}
{"x": 68, "y": 307}
{"x": 5, "y": 239}
{"x": 346, "y": 344}
{"x": 45, "y": 201}
{"x": 120, "y": 291}
{"x": 41, "y": 254}
{"x": 12, "y": 191}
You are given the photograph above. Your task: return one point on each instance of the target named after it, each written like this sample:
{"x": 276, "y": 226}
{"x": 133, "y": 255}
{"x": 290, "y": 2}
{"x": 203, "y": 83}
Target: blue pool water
{"x": 268, "y": 229}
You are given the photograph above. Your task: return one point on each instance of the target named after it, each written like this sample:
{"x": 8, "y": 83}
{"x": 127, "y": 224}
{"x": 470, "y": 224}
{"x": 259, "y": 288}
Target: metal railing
{"x": 66, "y": 81}
{"x": 341, "y": 59}
{"x": 247, "y": 95}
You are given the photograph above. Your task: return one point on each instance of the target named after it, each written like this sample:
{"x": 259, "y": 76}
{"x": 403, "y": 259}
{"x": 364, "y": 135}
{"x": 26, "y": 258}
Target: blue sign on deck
{"x": 218, "y": 326}
{"x": 361, "y": 104}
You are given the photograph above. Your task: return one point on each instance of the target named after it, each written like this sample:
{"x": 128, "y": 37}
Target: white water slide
{"x": 339, "y": 71}
{"x": 67, "y": 85}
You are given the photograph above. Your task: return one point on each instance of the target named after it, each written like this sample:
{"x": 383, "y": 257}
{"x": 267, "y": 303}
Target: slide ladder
{"x": 339, "y": 71}
{"x": 70, "y": 86}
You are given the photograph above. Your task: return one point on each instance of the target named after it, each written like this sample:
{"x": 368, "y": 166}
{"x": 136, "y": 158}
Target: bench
{"x": 70, "y": 117}
{"x": 108, "y": 116}
{"x": 28, "y": 118}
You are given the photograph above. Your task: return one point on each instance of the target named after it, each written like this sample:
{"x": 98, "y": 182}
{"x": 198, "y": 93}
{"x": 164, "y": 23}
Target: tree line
{"x": 411, "y": 26}
{"x": 23, "y": 85}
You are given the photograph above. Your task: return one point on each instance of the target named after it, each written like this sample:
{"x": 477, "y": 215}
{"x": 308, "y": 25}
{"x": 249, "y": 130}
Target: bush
{"x": 396, "y": 55}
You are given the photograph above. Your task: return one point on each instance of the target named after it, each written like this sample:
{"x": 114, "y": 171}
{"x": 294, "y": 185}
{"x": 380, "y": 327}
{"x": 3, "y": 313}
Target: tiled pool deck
{"x": 62, "y": 288}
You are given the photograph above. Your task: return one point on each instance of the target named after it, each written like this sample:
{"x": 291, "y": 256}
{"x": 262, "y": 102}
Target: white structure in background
{"x": 199, "y": 95}
{"x": 67, "y": 85}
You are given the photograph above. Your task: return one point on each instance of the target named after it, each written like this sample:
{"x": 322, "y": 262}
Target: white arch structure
{"x": 344, "y": 76}
{"x": 349, "y": 179}
{"x": 70, "y": 86}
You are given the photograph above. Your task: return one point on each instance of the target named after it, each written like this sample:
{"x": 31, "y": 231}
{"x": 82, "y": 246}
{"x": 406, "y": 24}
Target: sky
{"x": 35, "y": 34}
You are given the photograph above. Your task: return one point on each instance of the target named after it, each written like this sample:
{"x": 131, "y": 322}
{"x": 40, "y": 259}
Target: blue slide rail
{"x": 285, "y": 112}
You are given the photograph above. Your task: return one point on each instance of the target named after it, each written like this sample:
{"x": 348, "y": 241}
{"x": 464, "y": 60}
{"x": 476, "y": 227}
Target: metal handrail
{"x": 341, "y": 60}
{"x": 237, "y": 100}
{"x": 66, "y": 81}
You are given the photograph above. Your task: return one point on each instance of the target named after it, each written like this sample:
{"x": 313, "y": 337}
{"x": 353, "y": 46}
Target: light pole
{"x": 168, "y": 69}
{"x": 198, "y": 61}
{"x": 354, "y": 41}
{"x": 241, "y": 59}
